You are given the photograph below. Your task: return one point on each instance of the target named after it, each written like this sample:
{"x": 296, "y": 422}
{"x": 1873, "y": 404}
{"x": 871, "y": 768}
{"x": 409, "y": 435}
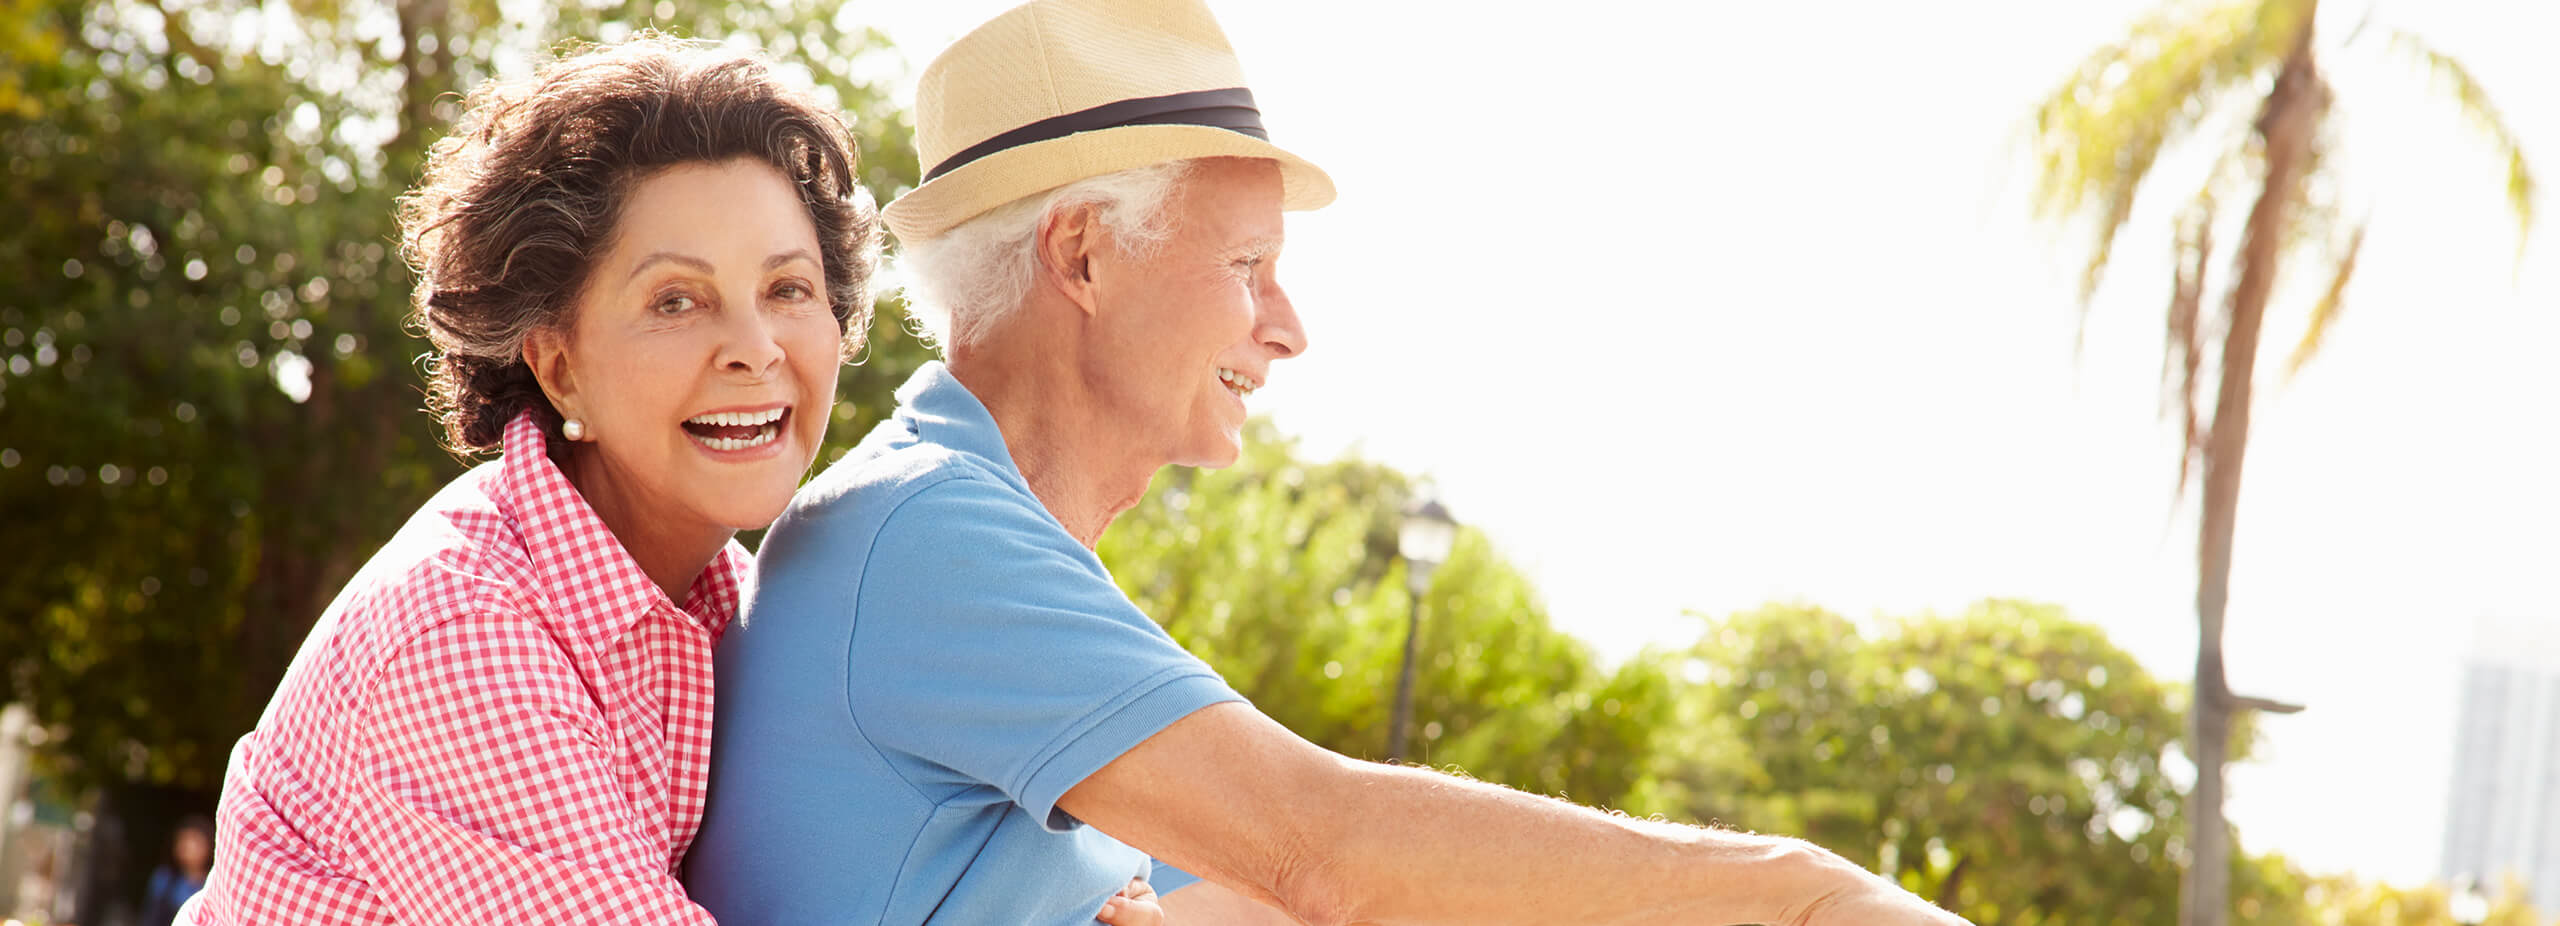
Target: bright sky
{"x": 1698, "y": 306}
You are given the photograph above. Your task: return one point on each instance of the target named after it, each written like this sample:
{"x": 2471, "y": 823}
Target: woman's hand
{"x": 1135, "y": 905}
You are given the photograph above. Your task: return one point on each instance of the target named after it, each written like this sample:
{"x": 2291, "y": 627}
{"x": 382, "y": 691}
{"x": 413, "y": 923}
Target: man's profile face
{"x": 1191, "y": 330}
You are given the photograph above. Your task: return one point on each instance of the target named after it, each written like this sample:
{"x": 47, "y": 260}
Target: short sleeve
{"x": 988, "y": 645}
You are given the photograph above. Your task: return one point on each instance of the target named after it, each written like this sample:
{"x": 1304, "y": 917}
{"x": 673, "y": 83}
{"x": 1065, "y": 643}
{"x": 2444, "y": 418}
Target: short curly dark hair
{"x": 517, "y": 204}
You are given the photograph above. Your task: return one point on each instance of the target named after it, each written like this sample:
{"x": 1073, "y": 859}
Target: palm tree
{"x": 2186, "y": 74}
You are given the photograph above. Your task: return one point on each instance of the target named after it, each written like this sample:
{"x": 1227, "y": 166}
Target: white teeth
{"x": 767, "y": 436}
{"x": 766, "y": 423}
{"x": 1238, "y": 383}
{"x": 739, "y": 419}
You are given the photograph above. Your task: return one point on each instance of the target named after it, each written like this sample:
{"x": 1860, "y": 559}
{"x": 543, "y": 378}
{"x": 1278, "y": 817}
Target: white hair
{"x": 960, "y": 283}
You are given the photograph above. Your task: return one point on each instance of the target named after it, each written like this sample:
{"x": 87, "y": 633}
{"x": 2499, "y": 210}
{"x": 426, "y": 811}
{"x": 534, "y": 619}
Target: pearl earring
{"x": 573, "y": 429}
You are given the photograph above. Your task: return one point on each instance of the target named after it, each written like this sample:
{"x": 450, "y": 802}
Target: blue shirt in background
{"x": 926, "y": 663}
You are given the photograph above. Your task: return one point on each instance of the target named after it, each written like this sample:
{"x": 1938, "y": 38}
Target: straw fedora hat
{"x": 1056, "y": 91}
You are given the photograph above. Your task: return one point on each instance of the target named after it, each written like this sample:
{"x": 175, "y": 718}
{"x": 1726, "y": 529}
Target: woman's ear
{"x": 546, "y": 351}
{"x": 1065, "y": 246}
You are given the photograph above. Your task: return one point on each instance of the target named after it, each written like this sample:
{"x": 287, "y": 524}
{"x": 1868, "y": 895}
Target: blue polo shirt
{"x": 927, "y": 661}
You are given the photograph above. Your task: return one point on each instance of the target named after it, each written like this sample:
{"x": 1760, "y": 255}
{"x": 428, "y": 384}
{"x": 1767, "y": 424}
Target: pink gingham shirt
{"x": 500, "y": 718}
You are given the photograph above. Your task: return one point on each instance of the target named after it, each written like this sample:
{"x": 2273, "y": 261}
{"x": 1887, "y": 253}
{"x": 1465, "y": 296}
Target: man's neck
{"x": 1078, "y": 458}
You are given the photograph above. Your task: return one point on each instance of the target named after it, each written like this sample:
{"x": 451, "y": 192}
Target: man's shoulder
{"x": 886, "y": 469}
{"x": 864, "y": 523}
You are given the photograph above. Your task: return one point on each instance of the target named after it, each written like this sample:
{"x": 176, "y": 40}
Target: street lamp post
{"x": 1424, "y": 539}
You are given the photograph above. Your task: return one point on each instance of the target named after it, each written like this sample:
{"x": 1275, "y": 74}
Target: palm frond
{"x": 2182, "y": 357}
{"x": 2452, "y": 76}
{"x": 2188, "y": 334}
{"x": 2325, "y": 312}
{"x": 2097, "y": 137}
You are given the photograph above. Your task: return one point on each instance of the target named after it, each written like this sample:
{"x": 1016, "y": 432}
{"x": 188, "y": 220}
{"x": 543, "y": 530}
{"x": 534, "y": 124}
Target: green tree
{"x": 209, "y": 409}
{"x": 2246, "y": 76}
{"x": 2347, "y": 901}
{"x": 2007, "y": 762}
{"x": 1283, "y": 574}
{"x": 1501, "y": 694}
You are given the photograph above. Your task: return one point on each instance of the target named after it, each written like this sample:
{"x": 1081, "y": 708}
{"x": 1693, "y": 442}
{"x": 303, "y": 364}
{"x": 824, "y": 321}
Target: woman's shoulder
{"x": 460, "y": 556}
{"x": 461, "y": 552}
{"x": 448, "y": 569}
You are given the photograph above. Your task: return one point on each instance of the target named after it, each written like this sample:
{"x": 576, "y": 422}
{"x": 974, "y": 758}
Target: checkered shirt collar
{"x": 595, "y": 590}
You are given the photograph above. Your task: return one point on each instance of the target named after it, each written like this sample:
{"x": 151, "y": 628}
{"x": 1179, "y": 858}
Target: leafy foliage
{"x": 2348, "y": 901}
{"x": 2098, "y": 136}
{"x": 1283, "y": 574}
{"x": 1989, "y": 760}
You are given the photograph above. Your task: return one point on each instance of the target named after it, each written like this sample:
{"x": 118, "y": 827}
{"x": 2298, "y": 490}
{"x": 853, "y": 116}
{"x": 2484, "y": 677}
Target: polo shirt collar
{"x": 940, "y": 410}
{"x": 594, "y": 590}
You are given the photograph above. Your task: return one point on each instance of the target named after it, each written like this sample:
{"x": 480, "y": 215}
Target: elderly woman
{"x": 939, "y": 708}
{"x": 640, "y": 269}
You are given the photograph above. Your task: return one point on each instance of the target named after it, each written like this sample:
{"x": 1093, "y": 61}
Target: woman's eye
{"x": 791, "y": 291}
{"x": 675, "y": 304}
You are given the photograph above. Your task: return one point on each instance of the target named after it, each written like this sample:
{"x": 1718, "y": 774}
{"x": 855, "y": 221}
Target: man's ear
{"x": 1065, "y": 246}
{"x": 546, "y": 351}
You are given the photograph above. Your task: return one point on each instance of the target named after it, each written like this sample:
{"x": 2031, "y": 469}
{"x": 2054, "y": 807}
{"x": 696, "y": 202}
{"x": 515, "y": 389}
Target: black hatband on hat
{"x": 1231, "y": 109}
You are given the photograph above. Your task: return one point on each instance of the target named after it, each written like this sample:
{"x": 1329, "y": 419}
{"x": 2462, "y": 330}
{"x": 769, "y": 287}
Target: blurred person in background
{"x": 640, "y": 268}
{"x": 182, "y": 875}
{"x": 937, "y": 706}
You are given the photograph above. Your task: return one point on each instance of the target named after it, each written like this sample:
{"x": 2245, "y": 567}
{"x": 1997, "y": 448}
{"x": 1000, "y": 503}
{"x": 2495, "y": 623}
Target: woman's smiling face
{"x": 702, "y": 356}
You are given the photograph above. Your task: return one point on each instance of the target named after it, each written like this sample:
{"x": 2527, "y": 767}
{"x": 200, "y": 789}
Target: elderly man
{"x": 938, "y": 708}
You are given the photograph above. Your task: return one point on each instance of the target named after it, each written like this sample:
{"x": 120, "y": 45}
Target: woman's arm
{"x": 506, "y": 798}
{"x": 1230, "y": 795}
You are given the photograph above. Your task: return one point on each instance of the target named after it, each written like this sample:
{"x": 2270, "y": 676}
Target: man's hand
{"x": 1869, "y": 899}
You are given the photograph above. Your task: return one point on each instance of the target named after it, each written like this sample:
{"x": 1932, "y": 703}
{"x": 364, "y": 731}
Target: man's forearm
{"x": 1233, "y": 797}
{"x": 1415, "y": 846}
{"x": 1208, "y": 903}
